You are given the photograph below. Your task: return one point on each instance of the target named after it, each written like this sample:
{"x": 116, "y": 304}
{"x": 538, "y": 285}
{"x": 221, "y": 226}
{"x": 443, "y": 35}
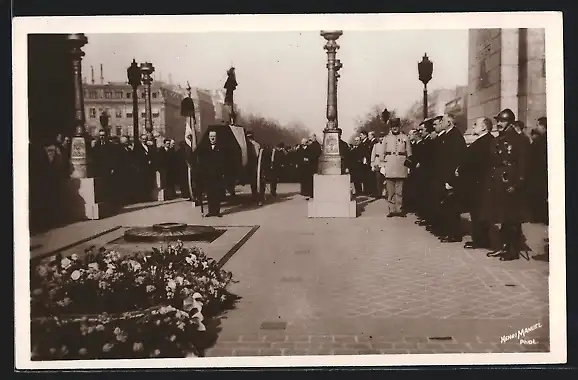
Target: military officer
{"x": 397, "y": 149}
{"x": 503, "y": 198}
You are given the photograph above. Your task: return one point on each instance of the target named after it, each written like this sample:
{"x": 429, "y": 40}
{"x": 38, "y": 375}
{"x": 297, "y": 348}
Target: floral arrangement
{"x": 108, "y": 305}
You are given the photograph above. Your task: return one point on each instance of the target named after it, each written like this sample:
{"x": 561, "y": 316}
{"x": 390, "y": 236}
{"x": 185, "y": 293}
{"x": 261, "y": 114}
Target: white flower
{"x": 189, "y": 260}
{"x": 107, "y": 347}
{"x": 75, "y": 275}
{"x": 172, "y": 284}
{"x": 93, "y": 266}
{"x": 65, "y": 263}
{"x": 109, "y": 271}
{"x": 137, "y": 346}
{"x": 83, "y": 351}
{"x": 74, "y": 257}
{"x": 179, "y": 280}
{"x": 150, "y": 288}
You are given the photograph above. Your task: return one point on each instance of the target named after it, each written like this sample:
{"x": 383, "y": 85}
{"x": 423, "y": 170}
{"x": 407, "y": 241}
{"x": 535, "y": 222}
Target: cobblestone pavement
{"x": 370, "y": 285}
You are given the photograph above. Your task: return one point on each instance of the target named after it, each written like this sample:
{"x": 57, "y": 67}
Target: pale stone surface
{"x": 514, "y": 72}
{"x": 331, "y": 197}
{"x": 87, "y": 198}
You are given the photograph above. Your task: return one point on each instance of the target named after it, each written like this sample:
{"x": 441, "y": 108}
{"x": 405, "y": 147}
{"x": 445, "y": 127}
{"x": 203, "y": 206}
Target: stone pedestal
{"x": 158, "y": 193}
{"x": 87, "y": 198}
{"x": 331, "y": 197}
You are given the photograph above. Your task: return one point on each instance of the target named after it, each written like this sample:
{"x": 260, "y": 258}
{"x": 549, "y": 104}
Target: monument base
{"x": 158, "y": 193}
{"x": 331, "y": 197}
{"x": 86, "y": 198}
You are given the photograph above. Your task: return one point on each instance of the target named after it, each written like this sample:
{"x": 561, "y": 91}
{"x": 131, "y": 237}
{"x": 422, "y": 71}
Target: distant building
{"x": 116, "y": 99}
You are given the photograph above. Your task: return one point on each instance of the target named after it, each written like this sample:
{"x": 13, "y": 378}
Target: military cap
{"x": 395, "y": 122}
{"x": 506, "y": 115}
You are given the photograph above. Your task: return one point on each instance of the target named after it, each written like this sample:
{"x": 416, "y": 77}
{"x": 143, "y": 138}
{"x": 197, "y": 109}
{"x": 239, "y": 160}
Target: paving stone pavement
{"x": 370, "y": 285}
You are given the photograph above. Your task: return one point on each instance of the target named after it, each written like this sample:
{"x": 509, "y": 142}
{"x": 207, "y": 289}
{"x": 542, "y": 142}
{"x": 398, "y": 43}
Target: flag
{"x": 190, "y": 135}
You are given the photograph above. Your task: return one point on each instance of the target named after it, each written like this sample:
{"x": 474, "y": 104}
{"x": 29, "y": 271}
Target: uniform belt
{"x": 395, "y": 154}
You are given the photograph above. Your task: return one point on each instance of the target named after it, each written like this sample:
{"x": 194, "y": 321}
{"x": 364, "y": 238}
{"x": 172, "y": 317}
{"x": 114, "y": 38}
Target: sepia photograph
{"x": 297, "y": 190}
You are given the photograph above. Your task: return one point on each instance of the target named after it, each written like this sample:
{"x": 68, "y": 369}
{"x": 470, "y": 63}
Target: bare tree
{"x": 270, "y": 132}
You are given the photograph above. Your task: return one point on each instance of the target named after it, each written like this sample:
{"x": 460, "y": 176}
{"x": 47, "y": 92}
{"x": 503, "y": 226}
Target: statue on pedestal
{"x": 231, "y": 86}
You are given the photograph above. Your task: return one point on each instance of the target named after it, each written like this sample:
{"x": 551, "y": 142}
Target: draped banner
{"x": 239, "y": 134}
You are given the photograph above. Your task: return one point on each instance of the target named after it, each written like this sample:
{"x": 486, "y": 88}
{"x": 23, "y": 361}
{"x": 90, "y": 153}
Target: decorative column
{"x": 147, "y": 69}
{"x": 78, "y": 152}
{"x": 87, "y": 197}
{"x": 330, "y": 160}
{"x": 332, "y": 196}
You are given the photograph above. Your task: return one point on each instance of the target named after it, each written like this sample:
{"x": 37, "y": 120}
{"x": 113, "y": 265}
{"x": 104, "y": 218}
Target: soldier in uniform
{"x": 472, "y": 173}
{"x": 503, "y": 199}
{"x": 397, "y": 149}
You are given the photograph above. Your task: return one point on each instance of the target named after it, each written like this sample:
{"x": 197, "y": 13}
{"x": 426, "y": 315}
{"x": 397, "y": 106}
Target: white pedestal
{"x": 331, "y": 197}
{"x": 87, "y": 198}
{"x": 158, "y": 193}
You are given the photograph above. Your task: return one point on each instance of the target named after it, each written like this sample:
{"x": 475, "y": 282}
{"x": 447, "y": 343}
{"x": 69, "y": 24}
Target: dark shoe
{"x": 210, "y": 214}
{"x": 510, "y": 257}
{"x": 451, "y": 239}
{"x": 391, "y": 214}
{"x": 471, "y": 245}
{"x": 402, "y": 214}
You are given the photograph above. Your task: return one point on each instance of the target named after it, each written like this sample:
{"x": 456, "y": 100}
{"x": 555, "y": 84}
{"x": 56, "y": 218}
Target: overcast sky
{"x": 282, "y": 75}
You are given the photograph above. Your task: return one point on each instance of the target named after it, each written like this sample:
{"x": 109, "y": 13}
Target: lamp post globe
{"x": 134, "y": 76}
{"x": 425, "y": 71}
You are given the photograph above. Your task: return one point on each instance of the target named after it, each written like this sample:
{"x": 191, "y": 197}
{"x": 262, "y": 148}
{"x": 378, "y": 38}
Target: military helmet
{"x": 506, "y": 115}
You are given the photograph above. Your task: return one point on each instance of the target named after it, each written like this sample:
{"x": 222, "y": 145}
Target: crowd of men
{"x": 500, "y": 178}
{"x": 432, "y": 172}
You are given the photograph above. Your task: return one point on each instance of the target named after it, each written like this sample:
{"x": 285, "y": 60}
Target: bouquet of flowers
{"x": 106, "y": 305}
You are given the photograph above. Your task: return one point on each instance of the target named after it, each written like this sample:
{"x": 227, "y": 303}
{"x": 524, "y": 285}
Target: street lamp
{"x": 147, "y": 69}
{"x": 134, "y": 75}
{"x": 425, "y": 70}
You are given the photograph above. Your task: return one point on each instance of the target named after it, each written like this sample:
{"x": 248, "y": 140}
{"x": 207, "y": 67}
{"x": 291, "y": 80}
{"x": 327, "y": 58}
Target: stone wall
{"x": 506, "y": 70}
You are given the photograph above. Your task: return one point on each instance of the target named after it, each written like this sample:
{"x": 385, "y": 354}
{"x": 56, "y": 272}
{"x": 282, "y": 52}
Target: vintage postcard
{"x": 289, "y": 190}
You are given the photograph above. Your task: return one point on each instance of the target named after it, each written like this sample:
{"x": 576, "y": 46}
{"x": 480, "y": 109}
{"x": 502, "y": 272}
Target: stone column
{"x": 330, "y": 160}
{"x": 331, "y": 188}
{"x": 86, "y": 197}
{"x": 78, "y": 152}
{"x": 147, "y": 69}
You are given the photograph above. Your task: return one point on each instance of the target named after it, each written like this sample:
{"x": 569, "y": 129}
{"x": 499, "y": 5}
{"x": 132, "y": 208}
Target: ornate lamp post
{"x": 330, "y": 161}
{"x": 425, "y": 70}
{"x": 134, "y": 75}
{"x": 78, "y": 154}
{"x": 147, "y": 69}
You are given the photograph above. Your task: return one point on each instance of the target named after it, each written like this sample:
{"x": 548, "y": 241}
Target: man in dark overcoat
{"x": 452, "y": 153}
{"x": 472, "y": 173}
{"x": 538, "y": 173}
{"x": 212, "y": 163}
{"x": 504, "y": 197}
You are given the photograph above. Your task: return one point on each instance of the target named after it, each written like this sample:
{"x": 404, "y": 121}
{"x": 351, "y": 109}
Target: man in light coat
{"x": 397, "y": 149}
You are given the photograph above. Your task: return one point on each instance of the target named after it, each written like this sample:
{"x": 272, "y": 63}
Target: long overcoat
{"x": 504, "y": 198}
